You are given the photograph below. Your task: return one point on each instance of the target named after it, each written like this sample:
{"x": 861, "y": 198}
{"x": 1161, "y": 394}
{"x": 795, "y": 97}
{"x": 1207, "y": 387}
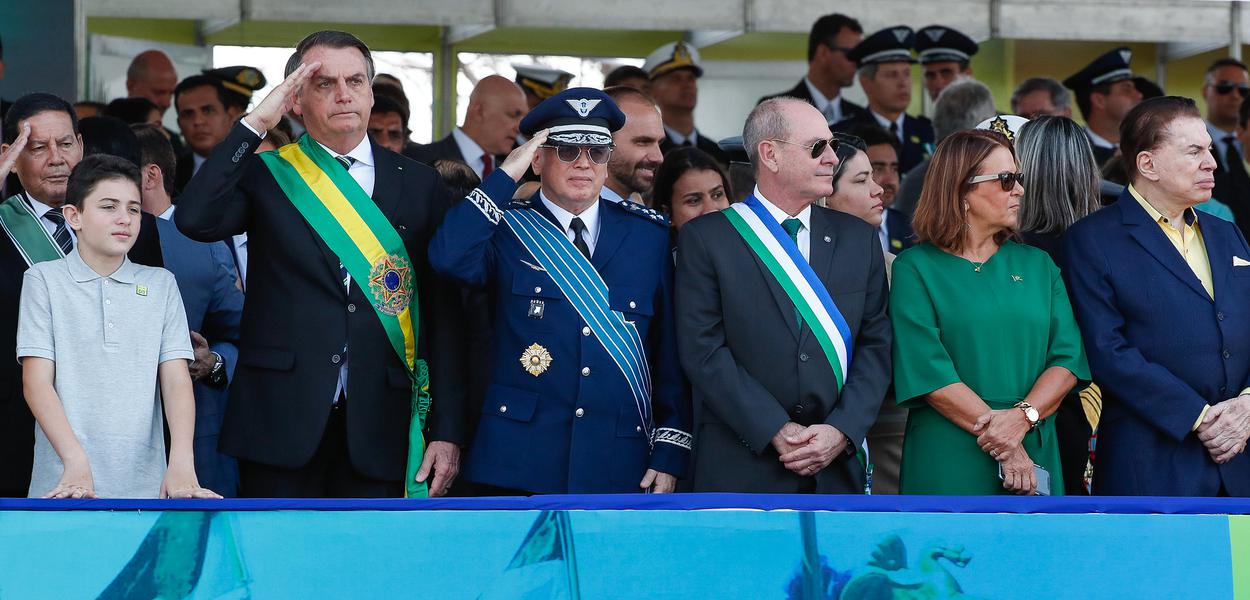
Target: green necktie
{"x": 792, "y": 227}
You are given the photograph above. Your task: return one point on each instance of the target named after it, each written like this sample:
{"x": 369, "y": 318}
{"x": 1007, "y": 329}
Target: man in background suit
{"x": 213, "y": 302}
{"x": 489, "y": 131}
{"x": 769, "y": 414}
{"x": 675, "y": 71}
{"x": 1159, "y": 292}
{"x": 321, "y": 402}
{"x": 829, "y": 67}
{"x": 885, "y": 62}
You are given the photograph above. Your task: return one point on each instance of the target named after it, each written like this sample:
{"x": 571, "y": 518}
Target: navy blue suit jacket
{"x": 574, "y": 428}
{"x": 214, "y": 306}
{"x": 1160, "y": 348}
{"x": 898, "y": 228}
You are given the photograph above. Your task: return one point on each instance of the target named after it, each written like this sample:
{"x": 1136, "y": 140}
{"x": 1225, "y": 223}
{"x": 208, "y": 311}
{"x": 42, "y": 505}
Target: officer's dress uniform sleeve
{"x": 670, "y": 398}
{"x": 461, "y": 248}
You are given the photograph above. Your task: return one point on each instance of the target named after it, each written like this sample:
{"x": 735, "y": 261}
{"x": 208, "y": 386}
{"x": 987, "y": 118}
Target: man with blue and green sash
{"x": 348, "y": 382}
{"x": 781, "y": 312}
{"x": 585, "y": 393}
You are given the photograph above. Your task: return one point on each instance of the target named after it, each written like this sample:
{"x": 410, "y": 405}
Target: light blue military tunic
{"x": 559, "y": 416}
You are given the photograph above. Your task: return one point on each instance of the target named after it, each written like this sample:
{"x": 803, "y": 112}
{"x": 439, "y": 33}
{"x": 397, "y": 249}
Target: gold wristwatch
{"x": 1030, "y": 413}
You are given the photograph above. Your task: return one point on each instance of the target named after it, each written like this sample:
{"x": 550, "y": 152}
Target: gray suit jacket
{"x": 753, "y": 368}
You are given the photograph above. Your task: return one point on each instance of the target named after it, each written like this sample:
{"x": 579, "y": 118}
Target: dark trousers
{"x": 328, "y": 475}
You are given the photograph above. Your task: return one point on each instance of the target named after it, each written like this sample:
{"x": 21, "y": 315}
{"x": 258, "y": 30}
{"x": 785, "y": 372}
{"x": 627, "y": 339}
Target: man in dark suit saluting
{"x": 784, "y": 389}
{"x": 338, "y": 228}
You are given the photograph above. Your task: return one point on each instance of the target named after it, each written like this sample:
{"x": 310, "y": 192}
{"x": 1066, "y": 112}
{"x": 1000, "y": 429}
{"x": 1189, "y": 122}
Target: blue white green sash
{"x": 585, "y": 289}
{"x": 781, "y": 255}
{"x": 33, "y": 242}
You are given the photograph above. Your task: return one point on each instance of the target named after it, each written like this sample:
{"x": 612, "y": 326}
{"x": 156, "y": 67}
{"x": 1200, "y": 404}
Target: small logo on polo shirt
{"x": 141, "y": 290}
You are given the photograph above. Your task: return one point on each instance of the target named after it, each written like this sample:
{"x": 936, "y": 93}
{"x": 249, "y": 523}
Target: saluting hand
{"x": 270, "y": 110}
{"x": 8, "y": 157}
{"x": 519, "y": 160}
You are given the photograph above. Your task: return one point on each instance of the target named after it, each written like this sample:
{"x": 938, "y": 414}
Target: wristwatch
{"x": 217, "y": 364}
{"x": 217, "y": 374}
{"x": 1030, "y": 413}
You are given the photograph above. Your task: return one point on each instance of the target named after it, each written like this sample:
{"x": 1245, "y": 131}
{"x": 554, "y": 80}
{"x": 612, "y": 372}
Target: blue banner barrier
{"x": 680, "y": 546}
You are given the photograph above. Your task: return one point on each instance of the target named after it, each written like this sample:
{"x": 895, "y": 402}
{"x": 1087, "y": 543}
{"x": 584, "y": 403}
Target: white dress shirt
{"x": 883, "y": 234}
{"x": 589, "y": 217}
{"x": 610, "y": 195}
{"x": 471, "y": 152}
{"x": 42, "y": 209}
{"x": 885, "y": 123}
{"x": 198, "y": 161}
{"x": 240, "y": 252}
{"x": 804, "y": 217}
{"x": 1098, "y": 140}
{"x": 830, "y": 107}
{"x": 679, "y": 139}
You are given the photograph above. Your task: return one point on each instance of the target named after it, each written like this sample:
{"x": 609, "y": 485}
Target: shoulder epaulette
{"x": 637, "y": 209}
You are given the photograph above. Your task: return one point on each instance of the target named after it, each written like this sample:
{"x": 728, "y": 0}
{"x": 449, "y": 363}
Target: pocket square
{"x": 1240, "y": 262}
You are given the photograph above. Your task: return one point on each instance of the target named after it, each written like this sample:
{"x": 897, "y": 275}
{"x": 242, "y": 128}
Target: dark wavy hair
{"x": 675, "y": 164}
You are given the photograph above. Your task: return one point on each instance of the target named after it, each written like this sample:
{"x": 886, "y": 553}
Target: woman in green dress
{"x": 985, "y": 343}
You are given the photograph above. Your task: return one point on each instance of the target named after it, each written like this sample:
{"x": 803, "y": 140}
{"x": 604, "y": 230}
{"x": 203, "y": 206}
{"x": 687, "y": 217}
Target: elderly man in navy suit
{"x": 1160, "y": 296}
{"x": 585, "y": 395}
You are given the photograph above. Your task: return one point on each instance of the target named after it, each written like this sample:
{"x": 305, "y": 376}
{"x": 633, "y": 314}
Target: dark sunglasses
{"x": 1007, "y": 179}
{"x": 1225, "y": 87}
{"x": 818, "y": 147}
{"x": 569, "y": 154}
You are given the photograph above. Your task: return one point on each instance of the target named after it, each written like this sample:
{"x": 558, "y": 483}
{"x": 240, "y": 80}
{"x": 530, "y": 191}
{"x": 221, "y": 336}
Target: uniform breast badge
{"x": 390, "y": 280}
{"x": 537, "y": 309}
{"x": 535, "y": 360}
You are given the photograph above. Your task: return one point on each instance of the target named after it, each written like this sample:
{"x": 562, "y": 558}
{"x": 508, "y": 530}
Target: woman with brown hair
{"x": 985, "y": 344}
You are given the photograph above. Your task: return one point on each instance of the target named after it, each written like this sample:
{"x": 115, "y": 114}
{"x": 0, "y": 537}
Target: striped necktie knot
{"x": 346, "y": 161}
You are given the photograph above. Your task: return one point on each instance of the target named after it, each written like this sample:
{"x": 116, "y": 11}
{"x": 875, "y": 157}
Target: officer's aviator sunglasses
{"x": 1224, "y": 87}
{"x": 569, "y": 154}
{"x": 817, "y": 148}
{"x": 1007, "y": 179}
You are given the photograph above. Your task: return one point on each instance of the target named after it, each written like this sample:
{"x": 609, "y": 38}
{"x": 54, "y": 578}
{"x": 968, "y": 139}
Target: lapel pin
{"x": 401, "y": 168}
{"x": 828, "y": 239}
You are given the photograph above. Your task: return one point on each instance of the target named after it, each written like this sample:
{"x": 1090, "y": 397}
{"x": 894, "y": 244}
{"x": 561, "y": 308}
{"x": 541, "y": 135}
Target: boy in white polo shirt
{"x": 96, "y": 333}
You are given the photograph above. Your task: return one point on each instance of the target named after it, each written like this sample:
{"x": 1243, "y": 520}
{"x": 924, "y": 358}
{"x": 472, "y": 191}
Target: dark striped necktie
{"x": 346, "y": 161}
{"x": 61, "y": 234}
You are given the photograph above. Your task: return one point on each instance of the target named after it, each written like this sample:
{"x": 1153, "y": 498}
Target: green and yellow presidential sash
{"x": 23, "y": 228}
{"x": 354, "y": 228}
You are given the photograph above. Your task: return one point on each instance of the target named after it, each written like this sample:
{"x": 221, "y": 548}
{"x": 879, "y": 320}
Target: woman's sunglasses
{"x": 569, "y": 154}
{"x": 1006, "y": 179}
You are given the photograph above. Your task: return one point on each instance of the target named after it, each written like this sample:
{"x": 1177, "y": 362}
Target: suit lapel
{"x": 1219, "y": 254}
{"x": 386, "y": 182}
{"x": 1155, "y": 242}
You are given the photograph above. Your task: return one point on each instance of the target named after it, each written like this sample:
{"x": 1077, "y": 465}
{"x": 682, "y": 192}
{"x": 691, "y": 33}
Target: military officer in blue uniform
{"x": 885, "y": 61}
{"x": 586, "y": 393}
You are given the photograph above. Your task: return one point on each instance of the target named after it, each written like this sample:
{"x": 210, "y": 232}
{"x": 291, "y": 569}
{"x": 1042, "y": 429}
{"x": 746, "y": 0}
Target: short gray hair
{"x": 1060, "y": 175}
{"x": 767, "y": 121}
{"x": 962, "y": 105}
{"x": 1058, "y": 94}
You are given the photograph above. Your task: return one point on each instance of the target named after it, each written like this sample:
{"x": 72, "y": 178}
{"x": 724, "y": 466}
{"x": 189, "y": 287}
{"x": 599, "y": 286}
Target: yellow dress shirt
{"x": 1187, "y": 239}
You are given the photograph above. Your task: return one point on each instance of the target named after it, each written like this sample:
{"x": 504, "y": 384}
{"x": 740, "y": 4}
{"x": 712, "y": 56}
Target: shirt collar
{"x": 610, "y": 195}
{"x": 679, "y": 139}
{"x": 40, "y": 208}
{"x": 818, "y": 98}
{"x": 468, "y": 148}
{"x": 589, "y": 217}
{"x": 885, "y": 123}
{"x": 363, "y": 152}
{"x": 168, "y": 214}
{"x": 1218, "y": 135}
{"x": 804, "y": 216}
{"x": 1098, "y": 140}
{"x": 1190, "y": 215}
{"x": 82, "y": 273}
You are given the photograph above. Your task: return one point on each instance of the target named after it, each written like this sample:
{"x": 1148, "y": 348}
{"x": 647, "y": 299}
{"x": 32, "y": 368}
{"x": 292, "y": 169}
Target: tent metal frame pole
{"x": 445, "y": 72}
{"x": 1234, "y": 30}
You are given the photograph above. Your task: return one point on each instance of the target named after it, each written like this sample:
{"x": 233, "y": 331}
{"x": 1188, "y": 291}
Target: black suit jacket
{"x": 183, "y": 170}
{"x": 444, "y": 149}
{"x": 917, "y": 137}
{"x": 17, "y": 425}
{"x": 1232, "y": 187}
{"x": 297, "y": 317}
{"x": 753, "y": 369}
{"x": 704, "y": 144}
{"x": 898, "y": 229}
{"x": 800, "y": 91}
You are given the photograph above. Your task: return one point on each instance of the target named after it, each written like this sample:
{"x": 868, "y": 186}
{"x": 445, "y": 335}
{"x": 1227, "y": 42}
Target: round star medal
{"x": 390, "y": 280}
{"x": 535, "y": 360}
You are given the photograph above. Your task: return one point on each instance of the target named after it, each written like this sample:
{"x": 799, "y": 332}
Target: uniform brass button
{"x": 585, "y": 371}
{"x": 538, "y": 290}
{"x": 633, "y": 304}
{"x": 580, "y": 412}
{"x": 638, "y": 428}
{"x": 586, "y": 331}
{"x": 503, "y": 408}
